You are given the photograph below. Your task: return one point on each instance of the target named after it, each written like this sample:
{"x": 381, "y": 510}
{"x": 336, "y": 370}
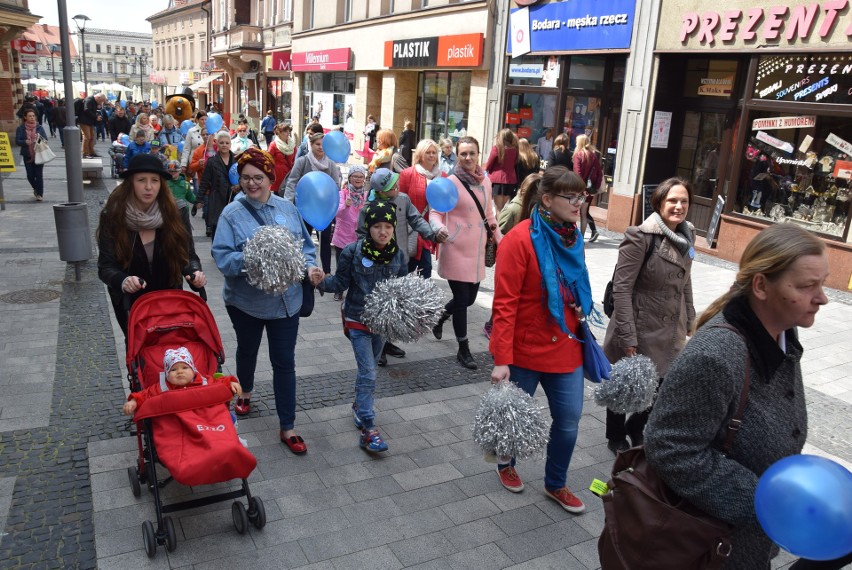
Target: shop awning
{"x": 205, "y": 81}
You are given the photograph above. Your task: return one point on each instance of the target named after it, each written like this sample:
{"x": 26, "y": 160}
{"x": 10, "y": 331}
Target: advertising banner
{"x": 809, "y": 78}
{"x": 463, "y": 50}
{"x": 321, "y": 60}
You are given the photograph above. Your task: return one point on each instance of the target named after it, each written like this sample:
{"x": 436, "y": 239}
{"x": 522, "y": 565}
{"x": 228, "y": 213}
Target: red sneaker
{"x": 510, "y": 479}
{"x": 567, "y": 499}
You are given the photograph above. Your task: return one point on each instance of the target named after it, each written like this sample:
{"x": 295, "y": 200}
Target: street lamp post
{"x": 53, "y": 49}
{"x": 80, "y": 20}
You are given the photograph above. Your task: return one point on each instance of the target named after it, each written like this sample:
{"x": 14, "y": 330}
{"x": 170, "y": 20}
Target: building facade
{"x": 43, "y": 68}
{"x": 753, "y": 105}
{"x": 113, "y": 56}
{"x": 16, "y": 18}
{"x": 181, "y": 49}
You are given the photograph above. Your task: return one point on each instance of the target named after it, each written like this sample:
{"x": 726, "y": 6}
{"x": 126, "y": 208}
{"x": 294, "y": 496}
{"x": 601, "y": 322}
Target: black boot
{"x": 438, "y": 330}
{"x": 393, "y": 350}
{"x": 464, "y": 356}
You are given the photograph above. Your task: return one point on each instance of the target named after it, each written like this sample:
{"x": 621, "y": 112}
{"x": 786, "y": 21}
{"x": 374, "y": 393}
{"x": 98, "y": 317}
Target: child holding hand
{"x": 180, "y": 373}
{"x": 362, "y": 265}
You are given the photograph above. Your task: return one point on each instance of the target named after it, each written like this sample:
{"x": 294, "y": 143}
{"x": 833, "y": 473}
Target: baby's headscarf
{"x": 175, "y": 355}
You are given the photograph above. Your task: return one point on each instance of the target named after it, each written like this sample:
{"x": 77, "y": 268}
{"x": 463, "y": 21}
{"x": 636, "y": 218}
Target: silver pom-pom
{"x": 403, "y": 308}
{"x": 273, "y": 259}
{"x": 632, "y": 385}
{"x": 508, "y": 423}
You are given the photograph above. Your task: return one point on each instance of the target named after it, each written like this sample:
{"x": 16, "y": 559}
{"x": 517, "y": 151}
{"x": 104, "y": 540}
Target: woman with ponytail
{"x": 652, "y": 294}
{"x": 778, "y": 288}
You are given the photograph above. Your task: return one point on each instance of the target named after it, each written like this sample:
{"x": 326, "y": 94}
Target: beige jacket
{"x": 653, "y": 307}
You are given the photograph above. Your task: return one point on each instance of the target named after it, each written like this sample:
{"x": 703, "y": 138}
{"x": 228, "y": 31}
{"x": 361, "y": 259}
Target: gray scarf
{"x": 316, "y": 164}
{"x": 428, "y": 174}
{"x": 682, "y": 240}
{"x": 138, "y": 220}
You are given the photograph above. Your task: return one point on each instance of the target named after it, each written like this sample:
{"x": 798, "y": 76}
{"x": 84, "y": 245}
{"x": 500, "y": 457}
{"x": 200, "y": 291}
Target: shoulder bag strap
{"x": 736, "y": 420}
{"x": 252, "y": 211}
{"x": 479, "y": 207}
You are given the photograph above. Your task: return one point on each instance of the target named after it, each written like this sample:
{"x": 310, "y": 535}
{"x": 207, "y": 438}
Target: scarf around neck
{"x": 428, "y": 174}
{"x": 357, "y": 195}
{"x": 376, "y": 255}
{"x": 563, "y": 269}
{"x": 285, "y": 147}
{"x": 138, "y": 220}
{"x": 317, "y": 164}
{"x": 32, "y": 137}
{"x": 472, "y": 178}
{"x": 682, "y": 240}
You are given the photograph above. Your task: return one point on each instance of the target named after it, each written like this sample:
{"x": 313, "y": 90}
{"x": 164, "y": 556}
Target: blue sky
{"x": 121, "y": 16}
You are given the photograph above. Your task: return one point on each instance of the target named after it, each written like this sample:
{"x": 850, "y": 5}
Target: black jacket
{"x": 407, "y": 142}
{"x": 216, "y": 186}
{"x": 118, "y": 125}
{"x": 560, "y": 157}
{"x": 89, "y": 116}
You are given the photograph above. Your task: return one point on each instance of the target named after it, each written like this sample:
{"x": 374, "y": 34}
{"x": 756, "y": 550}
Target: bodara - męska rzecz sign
{"x": 580, "y": 25}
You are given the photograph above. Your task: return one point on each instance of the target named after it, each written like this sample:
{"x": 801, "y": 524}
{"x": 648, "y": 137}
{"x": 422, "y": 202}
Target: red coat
{"x": 502, "y": 172}
{"x": 155, "y": 389}
{"x": 283, "y": 165}
{"x": 524, "y": 334}
{"x": 588, "y": 166}
{"x": 414, "y": 185}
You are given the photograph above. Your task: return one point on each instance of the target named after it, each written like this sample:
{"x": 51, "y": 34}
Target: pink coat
{"x": 346, "y": 221}
{"x": 462, "y": 256}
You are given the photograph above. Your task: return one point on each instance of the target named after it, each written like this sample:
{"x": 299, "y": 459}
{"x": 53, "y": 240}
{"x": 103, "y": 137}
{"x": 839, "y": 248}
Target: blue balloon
{"x": 336, "y": 146}
{"x": 123, "y": 104}
{"x": 442, "y": 195}
{"x": 180, "y": 146}
{"x": 317, "y": 199}
{"x": 185, "y": 126}
{"x": 154, "y": 104}
{"x": 214, "y": 122}
{"x": 233, "y": 175}
{"x": 804, "y": 503}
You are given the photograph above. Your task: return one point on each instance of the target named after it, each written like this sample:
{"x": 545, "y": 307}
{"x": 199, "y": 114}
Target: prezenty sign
{"x": 580, "y": 25}
{"x": 811, "y": 78}
{"x": 463, "y": 50}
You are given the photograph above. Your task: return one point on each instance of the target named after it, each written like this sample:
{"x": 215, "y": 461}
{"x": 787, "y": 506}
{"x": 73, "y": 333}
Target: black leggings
{"x": 464, "y": 294}
{"x": 324, "y": 246}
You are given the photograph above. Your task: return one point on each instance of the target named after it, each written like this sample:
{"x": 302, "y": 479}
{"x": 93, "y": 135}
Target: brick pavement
{"x": 430, "y": 503}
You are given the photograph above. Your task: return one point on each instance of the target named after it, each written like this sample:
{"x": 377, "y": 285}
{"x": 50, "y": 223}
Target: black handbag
{"x": 608, "y": 299}
{"x": 491, "y": 243}
{"x": 307, "y": 288}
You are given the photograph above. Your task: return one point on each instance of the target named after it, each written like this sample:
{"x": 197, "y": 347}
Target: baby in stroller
{"x": 179, "y": 373}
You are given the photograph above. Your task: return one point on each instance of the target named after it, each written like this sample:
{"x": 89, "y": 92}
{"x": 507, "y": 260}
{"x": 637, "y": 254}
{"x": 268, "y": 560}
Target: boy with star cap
{"x": 385, "y": 187}
{"x": 370, "y": 260}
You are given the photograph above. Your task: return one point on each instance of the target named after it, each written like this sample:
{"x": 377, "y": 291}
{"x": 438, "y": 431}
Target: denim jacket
{"x": 358, "y": 279}
{"x": 236, "y": 226}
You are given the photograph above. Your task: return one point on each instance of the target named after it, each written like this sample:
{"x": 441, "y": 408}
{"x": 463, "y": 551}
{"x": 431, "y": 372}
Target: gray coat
{"x": 653, "y": 306}
{"x": 407, "y": 219}
{"x": 690, "y": 417}
{"x": 301, "y": 167}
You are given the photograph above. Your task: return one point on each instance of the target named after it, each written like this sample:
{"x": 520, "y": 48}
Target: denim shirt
{"x": 358, "y": 279}
{"x": 236, "y": 226}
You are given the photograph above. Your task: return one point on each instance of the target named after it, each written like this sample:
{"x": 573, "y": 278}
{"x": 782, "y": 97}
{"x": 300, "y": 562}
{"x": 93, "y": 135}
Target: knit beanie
{"x": 379, "y": 211}
{"x": 175, "y": 355}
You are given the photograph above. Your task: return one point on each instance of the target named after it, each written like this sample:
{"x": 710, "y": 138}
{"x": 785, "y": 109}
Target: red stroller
{"x": 190, "y": 432}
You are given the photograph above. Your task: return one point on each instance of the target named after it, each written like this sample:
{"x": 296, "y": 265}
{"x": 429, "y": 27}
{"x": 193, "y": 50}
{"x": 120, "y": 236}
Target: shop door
{"x": 582, "y": 116}
{"x": 532, "y": 116}
{"x": 699, "y": 163}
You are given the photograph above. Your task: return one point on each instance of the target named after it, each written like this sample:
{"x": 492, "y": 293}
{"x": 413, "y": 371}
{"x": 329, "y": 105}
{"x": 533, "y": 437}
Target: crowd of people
{"x": 534, "y": 211}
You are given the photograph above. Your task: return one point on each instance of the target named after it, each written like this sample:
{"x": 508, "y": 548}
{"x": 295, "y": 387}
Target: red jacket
{"x": 413, "y": 184}
{"x": 588, "y": 166}
{"x": 502, "y": 172}
{"x": 524, "y": 334}
{"x": 283, "y": 165}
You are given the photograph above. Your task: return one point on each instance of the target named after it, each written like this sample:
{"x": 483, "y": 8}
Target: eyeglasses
{"x": 258, "y": 179}
{"x": 573, "y": 199}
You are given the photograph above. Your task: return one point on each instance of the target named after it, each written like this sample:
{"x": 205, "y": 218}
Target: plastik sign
{"x": 321, "y": 60}
{"x": 463, "y": 50}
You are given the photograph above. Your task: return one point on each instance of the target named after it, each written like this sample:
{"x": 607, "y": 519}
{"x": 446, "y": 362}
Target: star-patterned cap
{"x": 379, "y": 211}
{"x": 383, "y": 180}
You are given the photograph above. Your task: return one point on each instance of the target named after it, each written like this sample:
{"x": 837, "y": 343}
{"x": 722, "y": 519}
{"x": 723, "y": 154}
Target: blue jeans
{"x": 565, "y": 398}
{"x": 281, "y": 336}
{"x": 367, "y": 347}
{"x": 424, "y": 264}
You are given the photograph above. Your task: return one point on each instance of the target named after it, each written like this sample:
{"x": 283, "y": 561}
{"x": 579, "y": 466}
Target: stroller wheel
{"x": 257, "y": 513}
{"x": 238, "y": 512}
{"x": 171, "y": 537}
{"x": 133, "y": 475}
{"x": 150, "y": 539}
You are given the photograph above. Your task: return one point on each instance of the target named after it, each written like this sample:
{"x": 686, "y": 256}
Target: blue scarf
{"x": 563, "y": 271}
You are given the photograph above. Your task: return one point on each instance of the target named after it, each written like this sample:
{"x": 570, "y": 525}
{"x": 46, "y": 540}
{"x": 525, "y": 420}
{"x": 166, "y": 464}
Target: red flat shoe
{"x": 242, "y": 406}
{"x": 295, "y": 443}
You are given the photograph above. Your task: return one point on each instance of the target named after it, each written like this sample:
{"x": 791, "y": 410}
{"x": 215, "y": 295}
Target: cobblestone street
{"x": 431, "y": 502}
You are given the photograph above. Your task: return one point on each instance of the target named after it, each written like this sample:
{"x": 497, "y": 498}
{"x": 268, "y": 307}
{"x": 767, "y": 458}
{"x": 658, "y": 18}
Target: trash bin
{"x": 72, "y": 231}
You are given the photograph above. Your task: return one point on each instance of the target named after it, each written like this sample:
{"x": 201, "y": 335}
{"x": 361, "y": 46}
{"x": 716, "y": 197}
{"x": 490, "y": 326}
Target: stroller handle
{"x": 202, "y": 292}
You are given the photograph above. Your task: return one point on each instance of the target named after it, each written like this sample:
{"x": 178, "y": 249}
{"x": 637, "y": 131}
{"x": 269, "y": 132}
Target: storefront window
{"x": 278, "y": 94}
{"x": 533, "y": 116}
{"x": 444, "y": 104}
{"x": 534, "y": 71}
{"x": 710, "y": 78}
{"x": 587, "y": 72}
{"x": 698, "y": 160}
{"x": 582, "y": 117}
{"x": 797, "y": 169}
{"x": 327, "y": 96}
